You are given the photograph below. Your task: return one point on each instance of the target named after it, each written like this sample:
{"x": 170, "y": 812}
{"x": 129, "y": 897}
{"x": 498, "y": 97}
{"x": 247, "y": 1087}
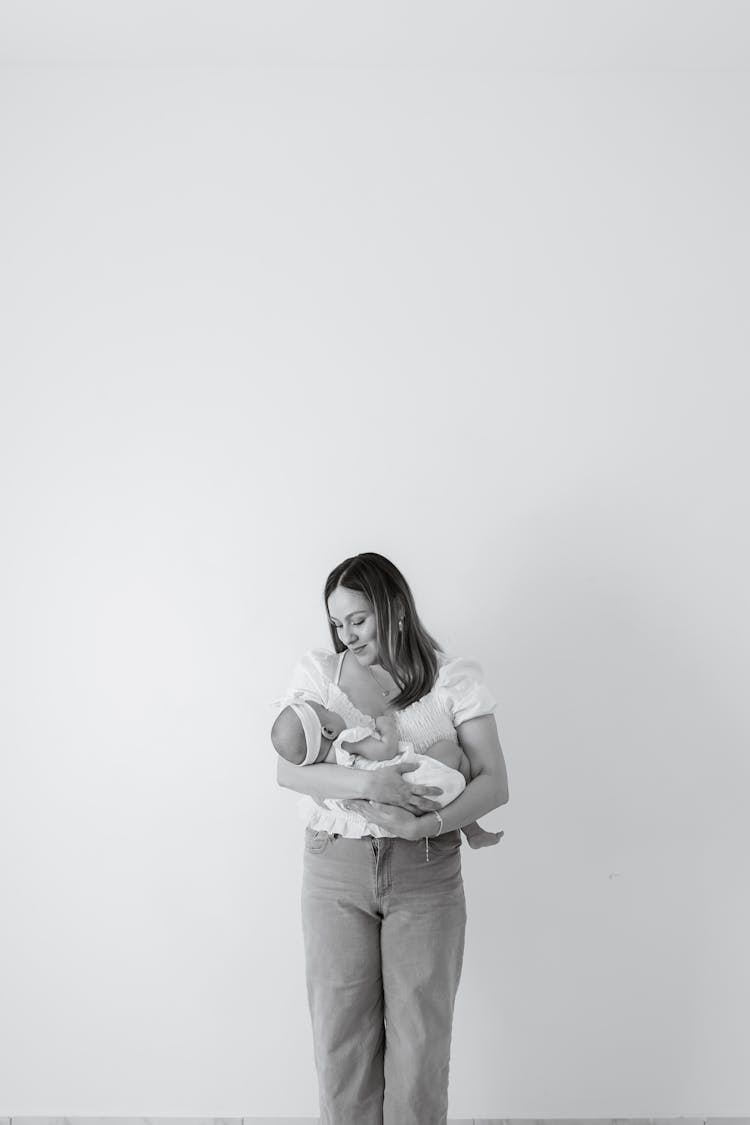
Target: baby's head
{"x": 303, "y": 730}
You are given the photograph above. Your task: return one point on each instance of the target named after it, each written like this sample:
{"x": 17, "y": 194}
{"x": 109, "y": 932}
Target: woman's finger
{"x": 428, "y": 791}
{"x": 425, "y": 804}
{"x": 357, "y": 805}
{"x": 417, "y": 810}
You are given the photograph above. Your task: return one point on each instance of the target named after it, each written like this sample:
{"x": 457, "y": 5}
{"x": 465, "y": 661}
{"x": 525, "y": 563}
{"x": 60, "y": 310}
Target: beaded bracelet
{"x": 427, "y": 838}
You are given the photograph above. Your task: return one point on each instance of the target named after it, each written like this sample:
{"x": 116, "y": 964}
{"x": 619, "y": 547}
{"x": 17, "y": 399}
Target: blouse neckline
{"x": 340, "y": 690}
{"x": 362, "y": 714}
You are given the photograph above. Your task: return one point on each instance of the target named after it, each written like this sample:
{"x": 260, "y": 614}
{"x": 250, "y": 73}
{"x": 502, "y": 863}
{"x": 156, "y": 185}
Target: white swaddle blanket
{"x": 334, "y": 818}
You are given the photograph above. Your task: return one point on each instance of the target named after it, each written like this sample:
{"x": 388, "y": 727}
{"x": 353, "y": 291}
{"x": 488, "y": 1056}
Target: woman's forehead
{"x": 343, "y": 602}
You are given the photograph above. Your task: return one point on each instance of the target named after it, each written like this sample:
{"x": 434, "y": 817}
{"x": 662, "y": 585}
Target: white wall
{"x": 491, "y": 325}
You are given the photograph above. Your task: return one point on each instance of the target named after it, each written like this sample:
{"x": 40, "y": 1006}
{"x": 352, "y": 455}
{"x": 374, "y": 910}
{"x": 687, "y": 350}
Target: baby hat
{"x": 311, "y": 726}
{"x": 310, "y": 723}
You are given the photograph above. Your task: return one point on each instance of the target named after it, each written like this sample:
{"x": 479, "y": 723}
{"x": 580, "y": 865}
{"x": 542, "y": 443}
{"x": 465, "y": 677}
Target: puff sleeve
{"x": 462, "y": 690}
{"x": 308, "y": 681}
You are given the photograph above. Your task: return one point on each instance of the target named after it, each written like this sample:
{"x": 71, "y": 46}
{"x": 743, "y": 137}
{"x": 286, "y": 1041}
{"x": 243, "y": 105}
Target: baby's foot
{"x": 483, "y": 839}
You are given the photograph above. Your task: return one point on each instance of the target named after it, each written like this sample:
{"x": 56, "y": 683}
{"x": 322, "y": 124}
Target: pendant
{"x": 385, "y": 692}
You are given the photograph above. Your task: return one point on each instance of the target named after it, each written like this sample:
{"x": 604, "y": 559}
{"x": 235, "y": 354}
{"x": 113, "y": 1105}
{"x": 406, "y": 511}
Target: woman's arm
{"x": 386, "y": 784}
{"x": 487, "y": 790}
{"x": 324, "y": 780}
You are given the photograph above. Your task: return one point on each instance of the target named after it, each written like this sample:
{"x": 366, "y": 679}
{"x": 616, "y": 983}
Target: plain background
{"x": 463, "y": 284}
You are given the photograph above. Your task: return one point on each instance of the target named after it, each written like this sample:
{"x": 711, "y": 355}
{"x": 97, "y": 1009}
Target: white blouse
{"x": 459, "y": 693}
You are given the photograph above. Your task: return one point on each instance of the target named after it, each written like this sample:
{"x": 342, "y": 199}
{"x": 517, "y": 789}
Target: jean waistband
{"x": 338, "y": 836}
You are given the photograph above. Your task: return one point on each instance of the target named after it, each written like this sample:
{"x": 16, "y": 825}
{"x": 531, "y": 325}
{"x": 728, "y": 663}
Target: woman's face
{"x": 354, "y": 620}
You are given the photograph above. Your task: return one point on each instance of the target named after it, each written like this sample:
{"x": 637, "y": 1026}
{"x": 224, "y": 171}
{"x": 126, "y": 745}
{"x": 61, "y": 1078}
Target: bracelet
{"x": 427, "y": 838}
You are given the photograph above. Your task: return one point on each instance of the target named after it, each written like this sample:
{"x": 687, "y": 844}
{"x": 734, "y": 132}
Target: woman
{"x": 383, "y": 921}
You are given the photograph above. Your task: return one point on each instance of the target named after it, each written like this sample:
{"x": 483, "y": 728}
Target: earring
{"x": 401, "y": 624}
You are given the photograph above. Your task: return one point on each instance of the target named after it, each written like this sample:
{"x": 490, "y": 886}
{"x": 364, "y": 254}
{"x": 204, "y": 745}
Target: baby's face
{"x": 331, "y": 724}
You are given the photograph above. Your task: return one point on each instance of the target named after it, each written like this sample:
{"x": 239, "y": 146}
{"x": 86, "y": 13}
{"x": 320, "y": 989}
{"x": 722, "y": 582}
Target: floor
{"x": 314, "y": 1121}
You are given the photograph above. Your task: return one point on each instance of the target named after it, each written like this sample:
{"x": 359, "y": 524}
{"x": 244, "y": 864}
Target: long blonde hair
{"x": 407, "y": 652}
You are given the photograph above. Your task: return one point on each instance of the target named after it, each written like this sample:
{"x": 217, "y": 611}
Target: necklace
{"x": 384, "y": 692}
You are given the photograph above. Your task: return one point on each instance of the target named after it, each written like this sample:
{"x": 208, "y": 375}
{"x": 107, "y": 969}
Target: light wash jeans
{"x": 384, "y": 941}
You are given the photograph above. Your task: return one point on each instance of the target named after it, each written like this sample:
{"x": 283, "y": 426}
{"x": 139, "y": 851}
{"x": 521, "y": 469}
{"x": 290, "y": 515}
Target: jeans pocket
{"x": 446, "y": 844}
{"x": 316, "y": 840}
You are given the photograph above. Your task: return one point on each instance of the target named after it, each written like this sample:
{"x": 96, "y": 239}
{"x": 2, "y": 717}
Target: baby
{"x": 305, "y": 733}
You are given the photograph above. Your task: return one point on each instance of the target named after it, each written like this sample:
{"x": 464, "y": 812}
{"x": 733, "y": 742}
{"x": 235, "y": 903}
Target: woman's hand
{"x": 402, "y": 823}
{"x": 388, "y": 787}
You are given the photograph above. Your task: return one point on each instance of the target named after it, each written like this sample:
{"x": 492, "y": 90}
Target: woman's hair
{"x": 407, "y": 653}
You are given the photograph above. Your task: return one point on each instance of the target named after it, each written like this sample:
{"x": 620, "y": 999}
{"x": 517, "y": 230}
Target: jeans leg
{"x": 341, "y": 928}
{"x": 422, "y": 944}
